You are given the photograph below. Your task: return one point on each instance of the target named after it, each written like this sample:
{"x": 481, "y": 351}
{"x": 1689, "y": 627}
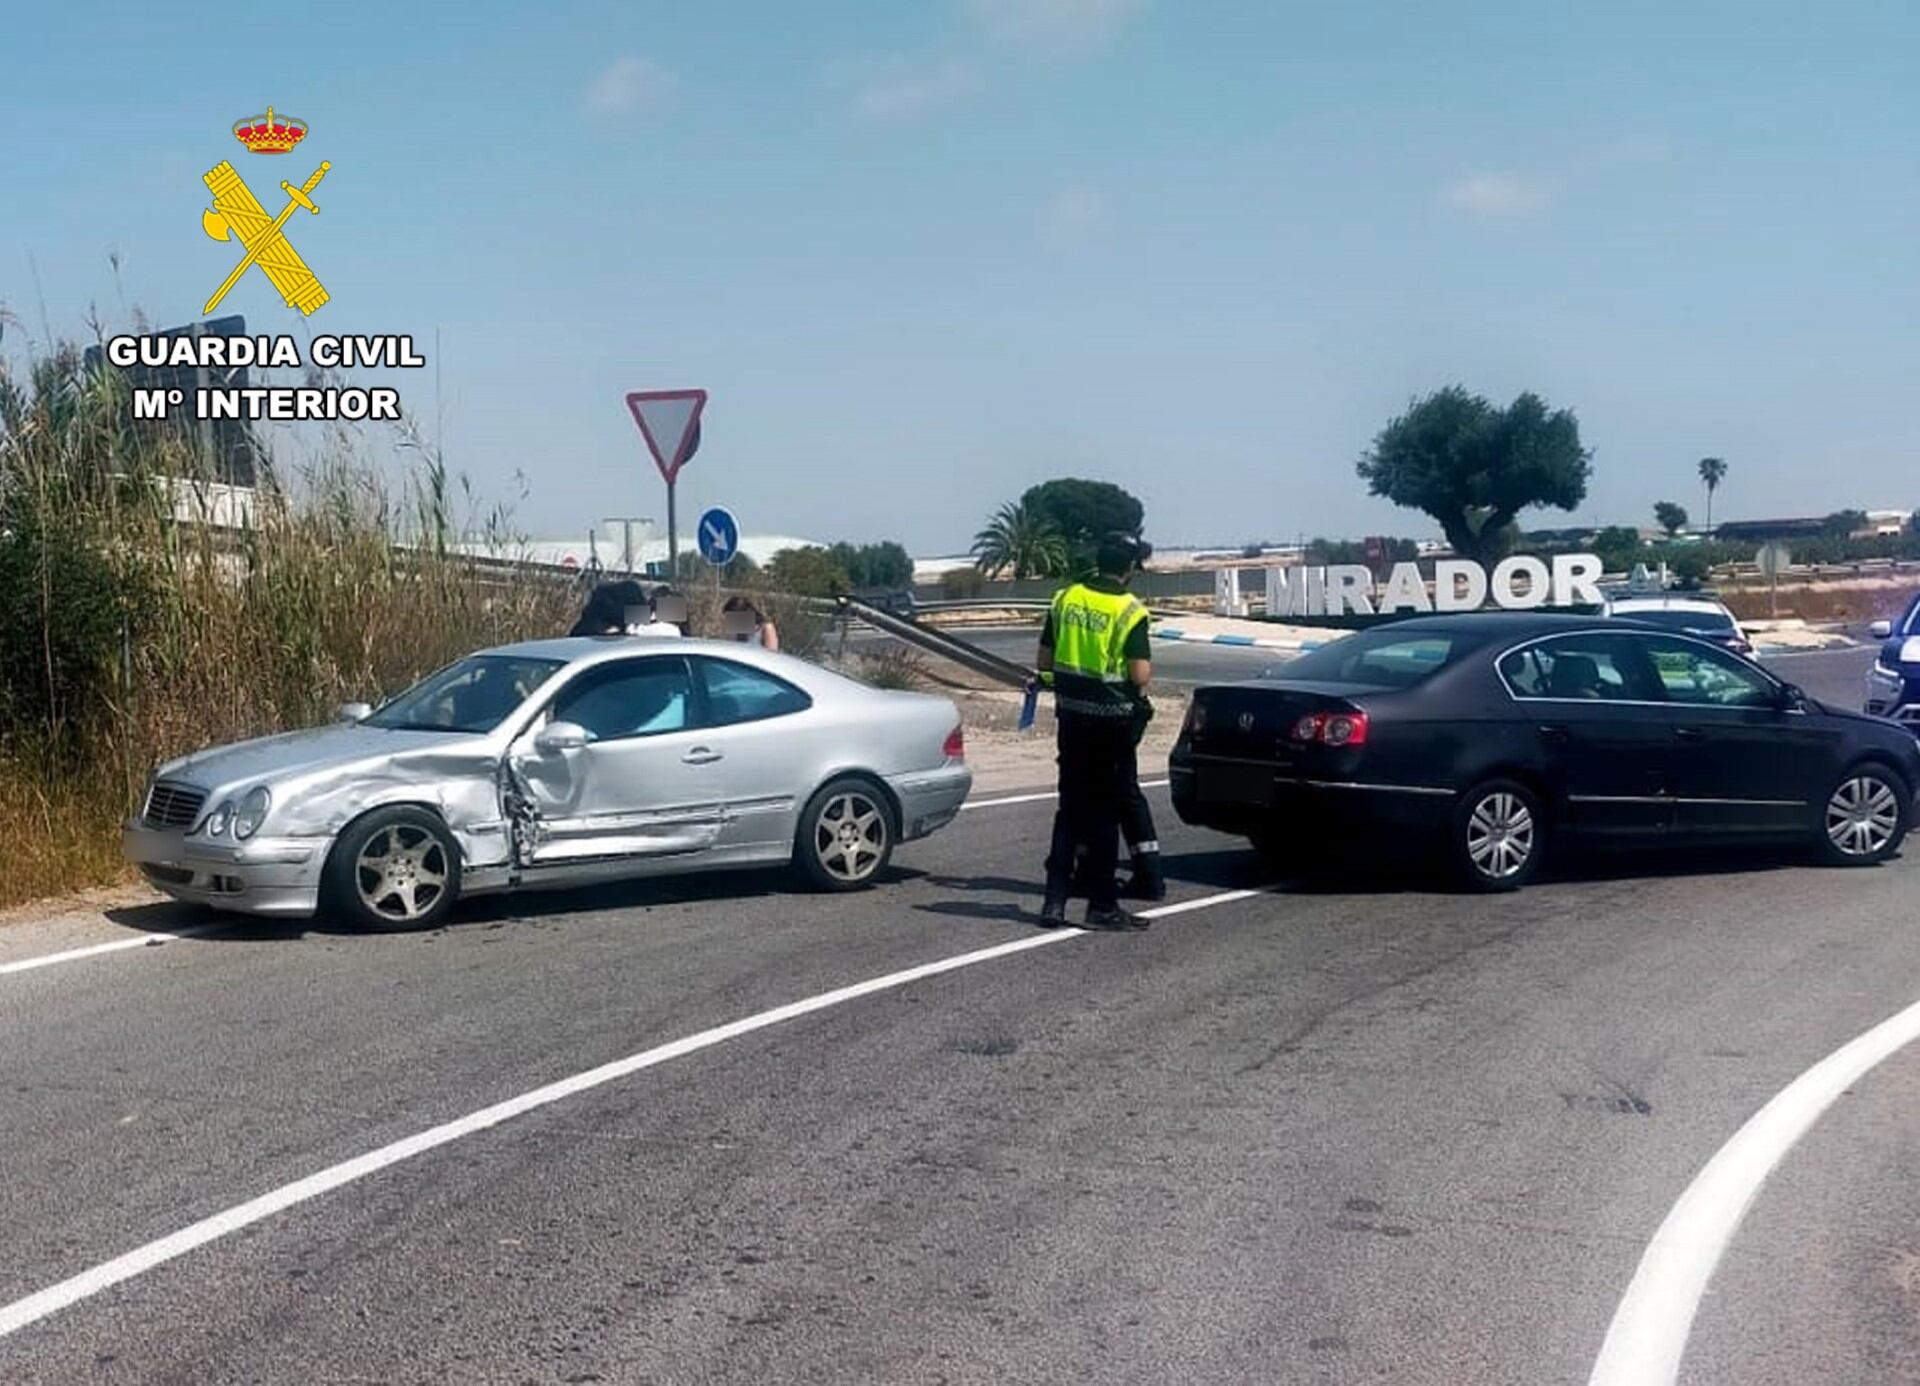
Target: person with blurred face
{"x": 741, "y": 620}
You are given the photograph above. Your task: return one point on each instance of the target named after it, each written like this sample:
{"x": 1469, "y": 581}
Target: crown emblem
{"x": 264, "y": 134}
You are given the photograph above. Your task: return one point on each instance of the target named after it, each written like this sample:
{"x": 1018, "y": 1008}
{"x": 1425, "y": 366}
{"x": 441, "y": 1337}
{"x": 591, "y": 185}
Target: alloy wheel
{"x": 401, "y": 872}
{"x": 1500, "y": 836}
{"x": 1862, "y": 816}
{"x": 850, "y": 836}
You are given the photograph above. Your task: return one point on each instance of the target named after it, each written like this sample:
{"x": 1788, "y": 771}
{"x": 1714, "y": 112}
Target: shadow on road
{"x": 491, "y": 910}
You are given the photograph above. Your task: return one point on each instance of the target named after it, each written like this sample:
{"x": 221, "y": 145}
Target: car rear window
{"x": 1577, "y": 668}
{"x": 1381, "y": 658}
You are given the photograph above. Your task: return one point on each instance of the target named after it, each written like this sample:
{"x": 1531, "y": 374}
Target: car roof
{"x": 1669, "y": 601}
{"x": 1498, "y": 624}
{"x": 576, "y": 647}
{"x": 587, "y": 650}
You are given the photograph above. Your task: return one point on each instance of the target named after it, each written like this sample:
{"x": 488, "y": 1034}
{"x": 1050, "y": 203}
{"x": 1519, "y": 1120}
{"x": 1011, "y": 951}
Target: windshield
{"x": 1668, "y": 618}
{"x": 474, "y": 695}
{"x": 1383, "y": 658}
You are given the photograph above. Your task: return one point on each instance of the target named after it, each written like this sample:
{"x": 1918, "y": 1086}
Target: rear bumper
{"x": 930, "y": 799}
{"x": 267, "y": 876}
{"x": 1307, "y": 807}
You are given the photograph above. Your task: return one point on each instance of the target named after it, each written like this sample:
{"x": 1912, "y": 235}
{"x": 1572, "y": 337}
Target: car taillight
{"x": 955, "y": 747}
{"x": 1332, "y": 728}
{"x": 1346, "y": 729}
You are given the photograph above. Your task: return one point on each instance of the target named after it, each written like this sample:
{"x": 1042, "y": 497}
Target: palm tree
{"x": 1712, "y": 471}
{"x": 1019, "y": 539}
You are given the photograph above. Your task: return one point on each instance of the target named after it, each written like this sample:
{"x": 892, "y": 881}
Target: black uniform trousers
{"x": 1097, "y": 776}
{"x": 1136, "y": 819}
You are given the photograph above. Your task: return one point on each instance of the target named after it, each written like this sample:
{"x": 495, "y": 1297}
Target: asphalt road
{"x": 1359, "y": 1131}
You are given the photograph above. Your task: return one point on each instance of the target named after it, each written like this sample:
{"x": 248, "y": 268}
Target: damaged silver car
{"x": 556, "y": 763}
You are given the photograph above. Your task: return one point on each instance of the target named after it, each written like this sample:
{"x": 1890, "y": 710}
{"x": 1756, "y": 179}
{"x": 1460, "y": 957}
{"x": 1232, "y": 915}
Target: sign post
{"x": 670, "y": 422}
{"x": 1773, "y": 559}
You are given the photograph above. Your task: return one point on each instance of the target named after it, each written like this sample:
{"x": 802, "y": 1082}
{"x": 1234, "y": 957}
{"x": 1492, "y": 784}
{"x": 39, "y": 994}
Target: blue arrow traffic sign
{"x": 719, "y": 535}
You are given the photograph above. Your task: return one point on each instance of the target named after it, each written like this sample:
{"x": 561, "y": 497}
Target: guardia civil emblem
{"x": 237, "y": 215}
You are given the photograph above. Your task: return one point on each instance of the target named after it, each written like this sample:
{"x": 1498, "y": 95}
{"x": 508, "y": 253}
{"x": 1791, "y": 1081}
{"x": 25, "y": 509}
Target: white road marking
{"x": 1648, "y": 1336}
{"x": 20, "y": 1313}
{"x": 1036, "y": 798}
{"x": 152, "y": 940}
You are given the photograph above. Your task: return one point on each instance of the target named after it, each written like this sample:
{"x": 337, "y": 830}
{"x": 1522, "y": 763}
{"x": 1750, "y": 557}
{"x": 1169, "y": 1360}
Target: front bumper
{"x": 1894, "y": 695}
{"x": 930, "y": 799}
{"x": 267, "y": 876}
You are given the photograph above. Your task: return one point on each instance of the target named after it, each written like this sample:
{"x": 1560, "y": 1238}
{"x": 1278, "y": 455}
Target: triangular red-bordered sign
{"x": 670, "y": 422}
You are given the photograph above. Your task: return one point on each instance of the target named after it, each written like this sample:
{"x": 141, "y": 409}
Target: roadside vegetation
{"x": 1052, "y": 529}
{"x": 130, "y": 635}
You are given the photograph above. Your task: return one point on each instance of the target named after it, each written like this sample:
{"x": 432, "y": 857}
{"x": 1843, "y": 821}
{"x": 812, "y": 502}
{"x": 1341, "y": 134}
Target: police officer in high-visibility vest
{"x": 1094, "y": 652}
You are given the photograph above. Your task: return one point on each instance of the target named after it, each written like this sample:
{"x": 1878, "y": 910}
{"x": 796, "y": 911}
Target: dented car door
{"x": 619, "y": 768}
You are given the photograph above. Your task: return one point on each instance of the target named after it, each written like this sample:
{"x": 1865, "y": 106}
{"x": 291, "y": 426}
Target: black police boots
{"x": 1148, "y": 881}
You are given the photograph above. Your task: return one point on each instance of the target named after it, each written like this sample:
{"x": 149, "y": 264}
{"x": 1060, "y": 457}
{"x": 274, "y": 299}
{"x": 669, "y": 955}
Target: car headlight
{"x": 218, "y": 821}
{"x": 252, "y": 812}
{"x": 1910, "y": 650}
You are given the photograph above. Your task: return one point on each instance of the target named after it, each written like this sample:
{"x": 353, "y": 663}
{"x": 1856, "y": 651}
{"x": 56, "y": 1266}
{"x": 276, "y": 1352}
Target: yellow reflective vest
{"x": 1090, "y": 630}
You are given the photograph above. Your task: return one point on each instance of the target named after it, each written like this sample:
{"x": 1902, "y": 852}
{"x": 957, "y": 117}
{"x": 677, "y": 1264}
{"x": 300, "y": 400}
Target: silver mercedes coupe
{"x": 557, "y": 763}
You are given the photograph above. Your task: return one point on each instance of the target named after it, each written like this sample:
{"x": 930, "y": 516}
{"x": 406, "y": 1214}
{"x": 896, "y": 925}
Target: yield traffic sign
{"x": 670, "y": 422}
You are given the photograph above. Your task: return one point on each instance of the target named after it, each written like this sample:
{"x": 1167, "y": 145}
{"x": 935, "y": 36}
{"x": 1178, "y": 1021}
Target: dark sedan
{"x": 1495, "y": 735}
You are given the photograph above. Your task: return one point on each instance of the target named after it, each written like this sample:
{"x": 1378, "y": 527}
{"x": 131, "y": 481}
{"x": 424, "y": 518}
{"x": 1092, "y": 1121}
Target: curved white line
{"x": 20, "y": 1313}
{"x": 1649, "y": 1332}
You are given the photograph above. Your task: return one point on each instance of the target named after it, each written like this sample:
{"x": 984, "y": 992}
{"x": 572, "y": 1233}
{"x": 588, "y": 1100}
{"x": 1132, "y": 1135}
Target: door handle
{"x": 1556, "y": 733}
{"x": 701, "y": 755}
{"x": 1689, "y": 733}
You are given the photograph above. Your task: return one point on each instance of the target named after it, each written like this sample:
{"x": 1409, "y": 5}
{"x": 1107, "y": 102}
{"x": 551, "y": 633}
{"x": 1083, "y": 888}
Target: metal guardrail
{"x": 985, "y": 604}
{"x": 931, "y": 639}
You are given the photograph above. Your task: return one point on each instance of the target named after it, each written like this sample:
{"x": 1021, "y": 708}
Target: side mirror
{"x": 1793, "y": 698}
{"x": 1881, "y": 630}
{"x": 557, "y": 738}
{"x": 350, "y": 713}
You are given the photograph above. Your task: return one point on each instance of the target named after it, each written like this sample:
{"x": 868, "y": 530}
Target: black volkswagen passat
{"x": 1498, "y": 734}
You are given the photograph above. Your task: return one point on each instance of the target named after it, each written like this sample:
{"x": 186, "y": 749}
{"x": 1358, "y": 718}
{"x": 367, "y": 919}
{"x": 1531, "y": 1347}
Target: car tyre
{"x": 396, "y": 869}
{"x": 1498, "y": 838}
{"x": 1863, "y": 817}
{"x": 846, "y": 835}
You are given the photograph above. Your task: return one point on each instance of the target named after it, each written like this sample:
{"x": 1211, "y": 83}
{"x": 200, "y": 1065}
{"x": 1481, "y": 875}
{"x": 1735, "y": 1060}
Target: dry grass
{"x": 156, "y": 638}
{"x": 1864, "y": 599}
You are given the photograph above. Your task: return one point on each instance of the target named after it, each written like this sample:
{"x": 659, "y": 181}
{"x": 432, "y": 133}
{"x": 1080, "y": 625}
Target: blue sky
{"x": 925, "y": 254}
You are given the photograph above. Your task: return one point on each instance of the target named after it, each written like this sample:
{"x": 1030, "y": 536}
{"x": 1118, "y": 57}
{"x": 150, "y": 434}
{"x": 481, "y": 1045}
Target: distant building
{"x": 1881, "y": 523}
{"x": 1760, "y": 531}
{"x": 603, "y": 552}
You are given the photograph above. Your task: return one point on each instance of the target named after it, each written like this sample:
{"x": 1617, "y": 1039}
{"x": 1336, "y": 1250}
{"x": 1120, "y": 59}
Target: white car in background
{"x": 1704, "y": 618}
